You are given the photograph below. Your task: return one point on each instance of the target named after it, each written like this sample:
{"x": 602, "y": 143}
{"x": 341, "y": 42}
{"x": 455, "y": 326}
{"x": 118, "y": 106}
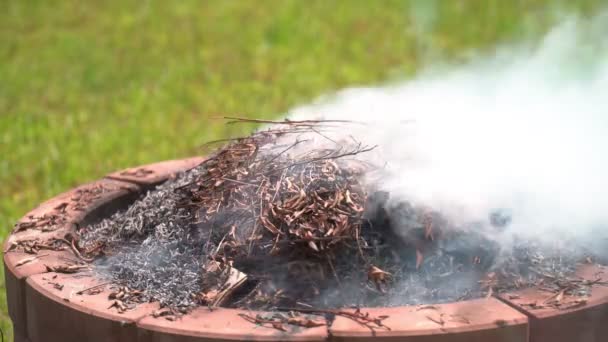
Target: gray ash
{"x": 151, "y": 246}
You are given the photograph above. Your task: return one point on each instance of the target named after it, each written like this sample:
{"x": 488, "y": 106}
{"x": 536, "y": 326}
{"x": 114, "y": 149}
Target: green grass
{"x": 87, "y": 88}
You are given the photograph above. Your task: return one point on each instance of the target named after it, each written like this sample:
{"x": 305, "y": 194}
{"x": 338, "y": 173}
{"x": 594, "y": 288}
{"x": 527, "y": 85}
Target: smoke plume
{"x": 522, "y": 132}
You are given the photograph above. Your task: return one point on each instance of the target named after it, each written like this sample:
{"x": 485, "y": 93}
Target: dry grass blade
{"x": 28, "y": 260}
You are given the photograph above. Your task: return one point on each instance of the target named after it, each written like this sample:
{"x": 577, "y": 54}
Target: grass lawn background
{"x": 88, "y": 87}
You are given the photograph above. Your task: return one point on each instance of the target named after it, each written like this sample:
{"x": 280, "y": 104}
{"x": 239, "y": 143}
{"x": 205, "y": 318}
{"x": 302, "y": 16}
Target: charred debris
{"x": 271, "y": 222}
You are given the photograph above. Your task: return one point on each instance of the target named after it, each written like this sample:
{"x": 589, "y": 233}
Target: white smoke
{"x": 525, "y": 129}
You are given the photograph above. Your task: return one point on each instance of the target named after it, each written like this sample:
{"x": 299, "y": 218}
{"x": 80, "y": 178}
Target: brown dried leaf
{"x": 162, "y": 313}
{"x": 560, "y": 296}
{"x": 376, "y": 274}
{"x": 65, "y": 268}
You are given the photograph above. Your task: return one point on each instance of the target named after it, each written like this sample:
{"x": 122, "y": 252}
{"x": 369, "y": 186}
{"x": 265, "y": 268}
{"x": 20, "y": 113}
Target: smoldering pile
{"x": 265, "y": 224}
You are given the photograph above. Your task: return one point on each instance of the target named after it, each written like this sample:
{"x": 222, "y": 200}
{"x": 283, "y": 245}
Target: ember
{"x": 266, "y": 225}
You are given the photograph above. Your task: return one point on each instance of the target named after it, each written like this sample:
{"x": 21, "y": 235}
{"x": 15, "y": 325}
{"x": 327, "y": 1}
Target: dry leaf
{"x": 65, "y": 268}
{"x": 377, "y": 275}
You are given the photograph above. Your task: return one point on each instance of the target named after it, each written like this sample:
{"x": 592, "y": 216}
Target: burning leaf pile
{"x": 264, "y": 224}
